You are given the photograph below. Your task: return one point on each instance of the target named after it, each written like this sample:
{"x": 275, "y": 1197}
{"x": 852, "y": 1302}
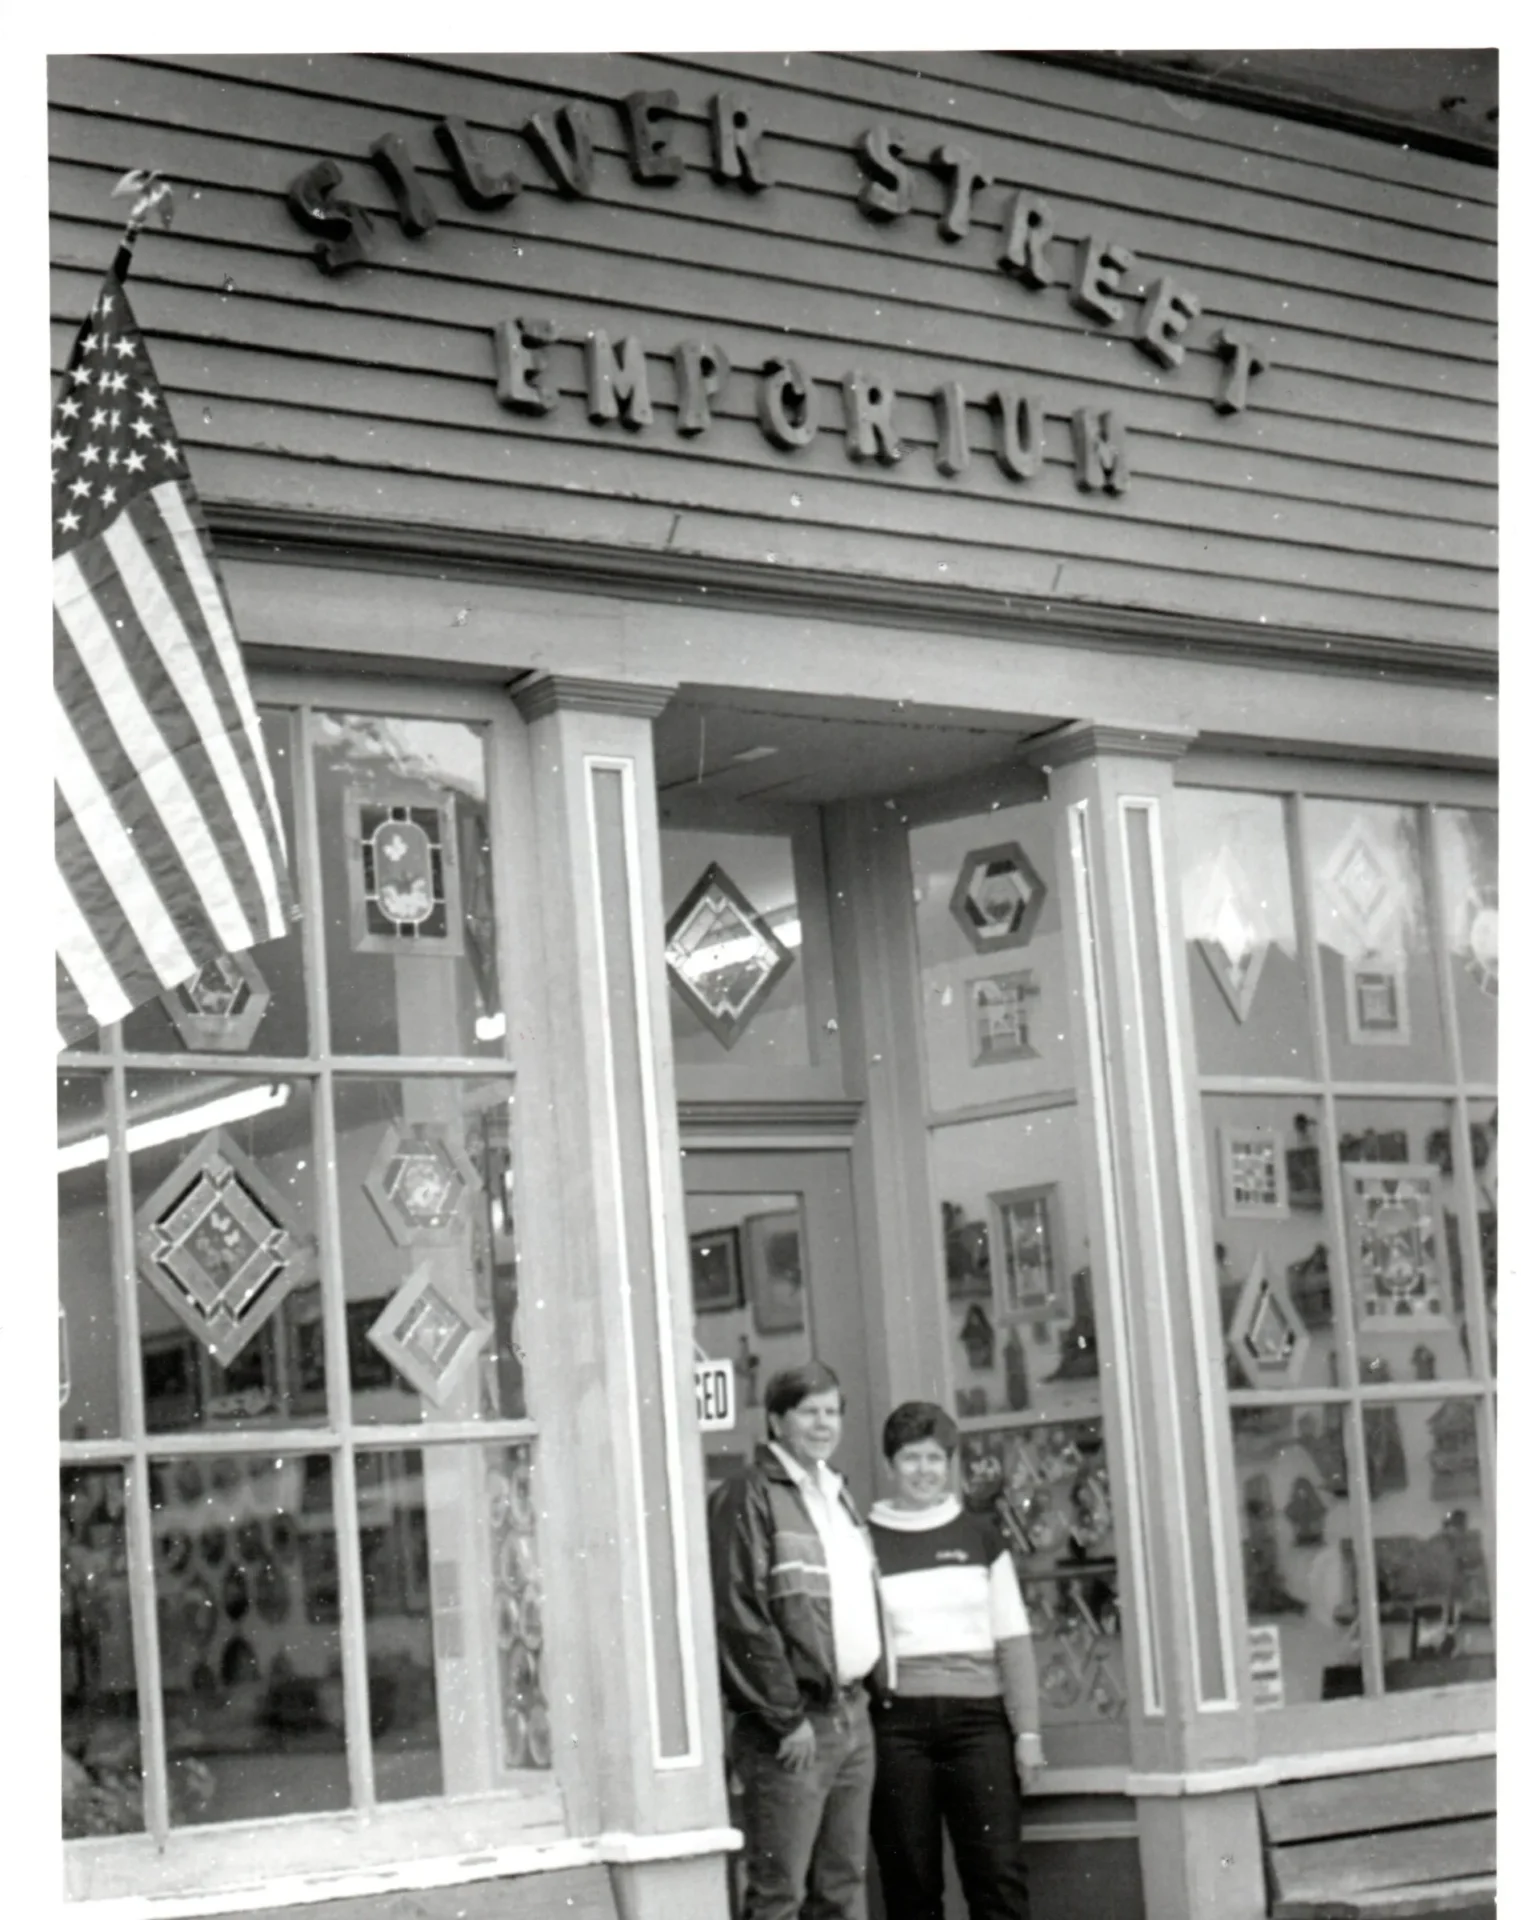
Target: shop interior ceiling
{"x": 741, "y": 745}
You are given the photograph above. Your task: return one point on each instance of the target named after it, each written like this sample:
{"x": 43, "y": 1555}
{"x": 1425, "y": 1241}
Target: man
{"x": 799, "y": 1630}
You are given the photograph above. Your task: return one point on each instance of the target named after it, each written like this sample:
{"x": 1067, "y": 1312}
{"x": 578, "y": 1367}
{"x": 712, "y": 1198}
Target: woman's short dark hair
{"x": 784, "y": 1390}
{"x": 918, "y": 1420}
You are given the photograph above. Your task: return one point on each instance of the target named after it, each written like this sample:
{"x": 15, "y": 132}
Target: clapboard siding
{"x": 1357, "y": 492}
{"x": 1126, "y": 211}
{"x": 1463, "y": 351}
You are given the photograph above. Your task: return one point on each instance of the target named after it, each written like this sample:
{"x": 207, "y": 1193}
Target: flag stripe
{"x": 159, "y": 537}
{"x": 230, "y": 810}
{"x": 193, "y": 547}
{"x": 80, "y": 955}
{"x": 112, "y": 849}
{"x": 167, "y": 870}
{"x": 99, "y": 728}
{"x": 160, "y": 774}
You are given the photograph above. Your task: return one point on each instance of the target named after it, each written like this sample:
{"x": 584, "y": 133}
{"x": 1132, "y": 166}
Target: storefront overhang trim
{"x": 382, "y": 546}
{"x": 1310, "y": 1766}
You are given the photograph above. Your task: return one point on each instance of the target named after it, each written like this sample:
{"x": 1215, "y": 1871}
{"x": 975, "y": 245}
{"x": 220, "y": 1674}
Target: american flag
{"x": 169, "y": 844}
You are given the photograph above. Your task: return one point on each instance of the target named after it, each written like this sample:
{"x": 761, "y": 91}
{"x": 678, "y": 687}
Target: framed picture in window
{"x": 1028, "y": 1252}
{"x": 716, "y": 1284}
{"x": 1396, "y": 1247}
{"x": 1253, "y": 1176}
{"x": 774, "y": 1270}
{"x": 1378, "y": 1011}
{"x": 1000, "y": 1014}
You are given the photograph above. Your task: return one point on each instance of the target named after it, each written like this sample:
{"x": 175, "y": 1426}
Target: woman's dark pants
{"x": 947, "y": 1764}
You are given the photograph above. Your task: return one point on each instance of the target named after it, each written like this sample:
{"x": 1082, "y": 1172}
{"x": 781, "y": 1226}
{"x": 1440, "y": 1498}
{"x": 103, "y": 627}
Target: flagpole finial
{"x": 149, "y": 190}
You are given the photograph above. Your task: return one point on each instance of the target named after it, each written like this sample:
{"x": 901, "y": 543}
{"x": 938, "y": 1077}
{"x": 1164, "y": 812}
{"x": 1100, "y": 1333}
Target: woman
{"x": 959, "y": 1735}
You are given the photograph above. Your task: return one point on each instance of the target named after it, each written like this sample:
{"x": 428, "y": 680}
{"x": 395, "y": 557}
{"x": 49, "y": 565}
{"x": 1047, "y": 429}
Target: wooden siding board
{"x": 1327, "y": 503}
{"x": 1123, "y": 200}
{"x": 1322, "y": 1869}
{"x": 1404, "y": 1796}
{"x": 1324, "y": 333}
{"x": 662, "y": 302}
{"x": 1272, "y": 139}
{"x": 348, "y": 396}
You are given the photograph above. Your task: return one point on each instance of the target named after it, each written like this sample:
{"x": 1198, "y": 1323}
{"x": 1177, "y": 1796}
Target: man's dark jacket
{"x": 776, "y": 1652}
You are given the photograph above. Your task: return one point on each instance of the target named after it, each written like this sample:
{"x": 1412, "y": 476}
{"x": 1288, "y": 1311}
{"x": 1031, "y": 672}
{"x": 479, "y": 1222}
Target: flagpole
{"x": 151, "y": 190}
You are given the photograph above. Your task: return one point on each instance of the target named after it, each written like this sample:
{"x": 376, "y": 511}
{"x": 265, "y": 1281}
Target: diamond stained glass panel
{"x": 430, "y": 1336}
{"x": 1267, "y": 1333}
{"x": 214, "y": 1243}
{"x": 722, "y": 956}
{"x": 1364, "y": 885}
{"x": 1234, "y": 934}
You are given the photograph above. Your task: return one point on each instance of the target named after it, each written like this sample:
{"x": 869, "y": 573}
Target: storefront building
{"x": 882, "y": 672}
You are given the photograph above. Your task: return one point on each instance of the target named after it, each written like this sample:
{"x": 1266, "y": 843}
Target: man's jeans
{"x": 951, "y": 1761}
{"x": 806, "y": 1833}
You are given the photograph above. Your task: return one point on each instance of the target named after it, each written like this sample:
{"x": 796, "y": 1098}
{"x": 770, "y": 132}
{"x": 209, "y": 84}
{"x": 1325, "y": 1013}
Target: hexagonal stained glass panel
{"x": 218, "y": 1009}
{"x": 721, "y": 955}
{"x": 421, "y": 1181}
{"x": 997, "y": 897}
{"x": 214, "y": 1243}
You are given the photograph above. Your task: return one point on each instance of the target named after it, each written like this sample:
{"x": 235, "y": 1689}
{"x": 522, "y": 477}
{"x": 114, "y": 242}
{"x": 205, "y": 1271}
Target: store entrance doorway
{"x": 775, "y": 1281}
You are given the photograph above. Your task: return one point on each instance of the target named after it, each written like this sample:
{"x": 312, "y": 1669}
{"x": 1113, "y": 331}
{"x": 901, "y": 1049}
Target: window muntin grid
{"x": 133, "y": 1451}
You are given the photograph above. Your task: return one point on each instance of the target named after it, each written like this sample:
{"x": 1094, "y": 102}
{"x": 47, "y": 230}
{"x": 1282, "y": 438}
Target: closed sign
{"x": 715, "y": 1396}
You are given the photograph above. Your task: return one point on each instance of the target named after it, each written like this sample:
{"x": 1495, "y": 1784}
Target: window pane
{"x": 1402, "y": 1202}
{"x": 88, "y": 1358}
{"x": 224, "y": 1197}
{"x": 1021, "y": 1330}
{"x": 1048, "y": 1488}
{"x": 1271, "y": 1237}
{"x": 1245, "y": 969}
{"x": 1295, "y": 1514}
{"x": 1468, "y": 864}
{"x": 253, "y": 1002}
{"x": 408, "y": 902}
{"x": 735, "y": 942}
{"x": 457, "y": 1700}
{"x": 1373, "y": 937}
{"x": 245, "y": 1573}
{"x": 102, "y": 1765}
{"x": 1431, "y": 1543}
{"x": 429, "y": 1256}
{"x": 992, "y": 985}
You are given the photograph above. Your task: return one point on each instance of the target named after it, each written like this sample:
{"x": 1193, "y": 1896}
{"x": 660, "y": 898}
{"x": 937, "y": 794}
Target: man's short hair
{"x": 918, "y": 1420}
{"x": 791, "y": 1385}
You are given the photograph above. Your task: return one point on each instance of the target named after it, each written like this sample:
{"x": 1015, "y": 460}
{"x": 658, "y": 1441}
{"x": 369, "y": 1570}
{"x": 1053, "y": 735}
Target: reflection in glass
{"x": 408, "y": 902}
{"x": 1373, "y": 938}
{"x": 1401, "y": 1199}
{"x": 102, "y": 1765}
{"x": 457, "y": 1698}
{"x": 1271, "y": 1241}
{"x": 429, "y": 1251}
{"x": 1436, "y": 1613}
{"x": 245, "y": 1573}
{"x": 1246, "y": 976}
{"x": 1048, "y": 1489}
{"x": 253, "y": 1002}
{"x": 1295, "y": 1518}
{"x": 1468, "y": 869}
{"x": 223, "y": 1196}
{"x": 88, "y": 1392}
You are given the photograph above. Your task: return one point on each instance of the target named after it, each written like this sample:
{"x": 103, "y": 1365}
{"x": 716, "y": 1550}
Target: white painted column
{"x": 607, "y": 1314}
{"x": 1185, "y": 1615}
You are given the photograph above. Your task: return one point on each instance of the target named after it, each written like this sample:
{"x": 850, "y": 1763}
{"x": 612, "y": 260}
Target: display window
{"x": 1016, "y": 1284}
{"x": 1353, "y": 1150}
{"x": 301, "y": 1569}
